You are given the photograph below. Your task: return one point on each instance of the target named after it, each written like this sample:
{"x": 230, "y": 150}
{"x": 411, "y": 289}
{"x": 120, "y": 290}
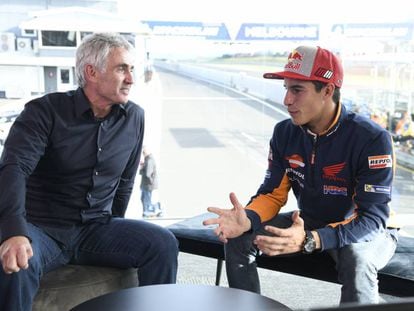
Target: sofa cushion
{"x": 70, "y": 285}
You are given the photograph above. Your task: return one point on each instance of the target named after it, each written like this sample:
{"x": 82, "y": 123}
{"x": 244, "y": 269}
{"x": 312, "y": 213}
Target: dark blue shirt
{"x": 62, "y": 167}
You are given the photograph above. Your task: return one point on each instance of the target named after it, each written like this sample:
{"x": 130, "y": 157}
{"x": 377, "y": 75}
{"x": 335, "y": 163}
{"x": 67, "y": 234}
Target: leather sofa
{"x": 396, "y": 279}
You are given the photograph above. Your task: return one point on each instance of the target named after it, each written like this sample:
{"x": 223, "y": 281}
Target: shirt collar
{"x": 82, "y": 104}
{"x": 335, "y": 122}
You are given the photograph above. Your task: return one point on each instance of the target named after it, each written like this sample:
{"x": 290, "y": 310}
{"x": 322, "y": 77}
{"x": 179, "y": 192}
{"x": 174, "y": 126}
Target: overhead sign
{"x": 257, "y": 31}
{"x": 209, "y": 31}
{"x": 374, "y": 30}
{"x": 292, "y": 32}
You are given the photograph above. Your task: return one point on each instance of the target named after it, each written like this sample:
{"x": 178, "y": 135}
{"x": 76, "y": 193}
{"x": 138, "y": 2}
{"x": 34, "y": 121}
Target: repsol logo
{"x": 296, "y": 173}
{"x": 380, "y": 161}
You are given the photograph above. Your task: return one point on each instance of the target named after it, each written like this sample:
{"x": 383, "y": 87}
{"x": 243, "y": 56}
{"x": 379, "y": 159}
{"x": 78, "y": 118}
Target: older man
{"x": 66, "y": 176}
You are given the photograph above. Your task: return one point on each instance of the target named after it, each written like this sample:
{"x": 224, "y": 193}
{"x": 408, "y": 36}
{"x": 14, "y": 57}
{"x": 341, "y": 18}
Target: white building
{"x": 41, "y": 57}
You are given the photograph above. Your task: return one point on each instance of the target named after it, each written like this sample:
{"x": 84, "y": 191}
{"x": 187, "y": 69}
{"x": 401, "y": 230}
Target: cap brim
{"x": 272, "y": 75}
{"x": 284, "y": 74}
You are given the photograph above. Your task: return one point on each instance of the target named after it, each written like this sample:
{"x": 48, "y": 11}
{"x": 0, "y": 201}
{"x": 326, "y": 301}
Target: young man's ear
{"x": 329, "y": 89}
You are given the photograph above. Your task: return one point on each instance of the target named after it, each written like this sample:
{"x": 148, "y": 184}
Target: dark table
{"x": 180, "y": 297}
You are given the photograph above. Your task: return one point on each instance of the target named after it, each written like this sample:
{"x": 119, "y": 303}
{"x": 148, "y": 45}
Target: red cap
{"x": 311, "y": 64}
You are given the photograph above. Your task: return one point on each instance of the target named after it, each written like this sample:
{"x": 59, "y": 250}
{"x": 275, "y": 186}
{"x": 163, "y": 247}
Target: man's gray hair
{"x": 95, "y": 49}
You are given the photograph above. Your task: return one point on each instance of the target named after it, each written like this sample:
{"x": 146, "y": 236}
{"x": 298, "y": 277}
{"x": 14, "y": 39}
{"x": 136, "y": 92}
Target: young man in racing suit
{"x": 340, "y": 168}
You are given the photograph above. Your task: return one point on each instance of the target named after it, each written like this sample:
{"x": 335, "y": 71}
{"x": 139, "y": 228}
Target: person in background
{"x": 404, "y": 132}
{"x": 380, "y": 118}
{"x": 149, "y": 182}
{"x": 405, "y": 126}
{"x": 340, "y": 168}
{"x": 66, "y": 176}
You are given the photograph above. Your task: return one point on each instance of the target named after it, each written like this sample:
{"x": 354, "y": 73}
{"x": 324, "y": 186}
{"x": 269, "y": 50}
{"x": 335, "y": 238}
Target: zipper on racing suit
{"x": 313, "y": 156}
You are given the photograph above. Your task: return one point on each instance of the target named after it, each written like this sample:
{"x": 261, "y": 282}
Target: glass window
{"x": 58, "y": 38}
{"x": 29, "y": 32}
{"x": 64, "y": 76}
{"x": 199, "y": 76}
{"x": 208, "y": 65}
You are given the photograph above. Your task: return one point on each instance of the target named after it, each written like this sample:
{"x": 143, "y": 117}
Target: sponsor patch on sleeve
{"x": 377, "y": 189}
{"x": 380, "y": 161}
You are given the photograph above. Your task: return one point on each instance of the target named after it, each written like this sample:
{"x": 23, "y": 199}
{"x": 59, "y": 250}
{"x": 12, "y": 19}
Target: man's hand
{"x": 15, "y": 253}
{"x": 283, "y": 241}
{"x": 231, "y": 222}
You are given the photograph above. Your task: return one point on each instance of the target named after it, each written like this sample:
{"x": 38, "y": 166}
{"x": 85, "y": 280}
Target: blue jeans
{"x": 122, "y": 243}
{"x": 357, "y": 264}
{"x": 146, "y": 199}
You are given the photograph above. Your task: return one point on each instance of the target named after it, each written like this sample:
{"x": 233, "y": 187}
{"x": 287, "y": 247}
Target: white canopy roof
{"x": 83, "y": 19}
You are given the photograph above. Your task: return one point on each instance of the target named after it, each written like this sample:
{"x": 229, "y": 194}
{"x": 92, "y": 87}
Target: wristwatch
{"x": 309, "y": 244}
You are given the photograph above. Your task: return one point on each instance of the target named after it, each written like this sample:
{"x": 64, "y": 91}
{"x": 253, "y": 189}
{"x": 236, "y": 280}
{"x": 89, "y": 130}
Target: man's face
{"x": 115, "y": 81}
{"x": 305, "y": 105}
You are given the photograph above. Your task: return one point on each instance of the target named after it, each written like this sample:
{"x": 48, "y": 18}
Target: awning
{"x": 83, "y": 19}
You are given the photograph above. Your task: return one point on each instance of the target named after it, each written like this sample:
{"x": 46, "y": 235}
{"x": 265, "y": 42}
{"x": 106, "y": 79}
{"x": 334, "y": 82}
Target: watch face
{"x": 310, "y": 244}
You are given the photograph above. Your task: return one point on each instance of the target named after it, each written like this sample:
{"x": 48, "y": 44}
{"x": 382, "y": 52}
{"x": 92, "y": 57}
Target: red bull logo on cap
{"x": 294, "y": 60}
{"x": 294, "y": 55}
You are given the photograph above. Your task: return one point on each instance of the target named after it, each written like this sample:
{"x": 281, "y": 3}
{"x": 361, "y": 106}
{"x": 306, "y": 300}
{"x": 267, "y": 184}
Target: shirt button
{"x": 99, "y": 149}
{"x": 89, "y": 195}
{"x": 96, "y": 173}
